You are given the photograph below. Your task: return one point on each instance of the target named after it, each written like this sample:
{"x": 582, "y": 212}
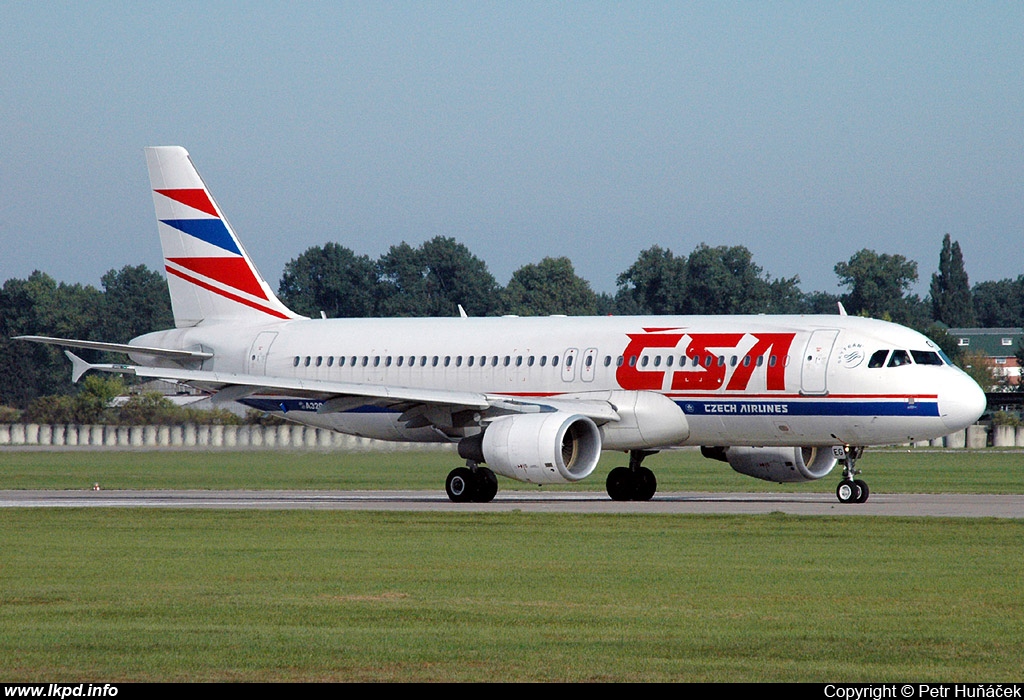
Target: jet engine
{"x": 778, "y": 464}
{"x": 539, "y": 448}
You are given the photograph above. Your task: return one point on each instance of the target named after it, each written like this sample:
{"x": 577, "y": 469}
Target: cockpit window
{"x": 926, "y": 357}
{"x": 878, "y": 359}
{"x": 899, "y": 357}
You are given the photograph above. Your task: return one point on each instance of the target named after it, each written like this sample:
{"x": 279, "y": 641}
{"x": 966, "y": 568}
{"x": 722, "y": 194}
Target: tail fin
{"x": 209, "y": 274}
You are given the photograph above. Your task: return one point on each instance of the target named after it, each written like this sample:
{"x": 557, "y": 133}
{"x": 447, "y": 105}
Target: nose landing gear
{"x": 851, "y": 490}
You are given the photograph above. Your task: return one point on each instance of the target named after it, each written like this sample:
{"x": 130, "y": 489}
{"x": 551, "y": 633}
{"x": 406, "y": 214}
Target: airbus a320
{"x": 782, "y": 398}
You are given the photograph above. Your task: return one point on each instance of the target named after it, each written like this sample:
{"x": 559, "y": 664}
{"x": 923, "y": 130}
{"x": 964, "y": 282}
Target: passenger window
{"x": 899, "y": 357}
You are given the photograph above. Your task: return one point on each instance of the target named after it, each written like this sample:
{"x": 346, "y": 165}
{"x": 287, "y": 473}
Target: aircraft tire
{"x": 645, "y": 484}
{"x": 847, "y": 491}
{"x": 485, "y": 485}
{"x": 619, "y": 484}
{"x": 864, "y": 490}
{"x": 460, "y": 485}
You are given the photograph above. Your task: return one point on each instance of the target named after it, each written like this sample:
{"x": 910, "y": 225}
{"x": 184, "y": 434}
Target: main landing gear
{"x": 471, "y": 483}
{"x": 851, "y": 490}
{"x": 632, "y": 483}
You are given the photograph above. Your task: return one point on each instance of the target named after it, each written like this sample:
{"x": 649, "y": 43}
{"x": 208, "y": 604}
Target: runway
{"x": 906, "y": 505}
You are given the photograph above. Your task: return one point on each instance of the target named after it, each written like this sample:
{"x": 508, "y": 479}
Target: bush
{"x": 1005, "y": 418}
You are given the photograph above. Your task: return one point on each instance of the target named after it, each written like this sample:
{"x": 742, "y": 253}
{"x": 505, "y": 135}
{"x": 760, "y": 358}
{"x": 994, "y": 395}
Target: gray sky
{"x": 804, "y": 131}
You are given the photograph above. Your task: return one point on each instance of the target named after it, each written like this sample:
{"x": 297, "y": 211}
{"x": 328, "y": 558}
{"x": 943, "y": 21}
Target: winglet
{"x": 78, "y": 366}
{"x": 842, "y": 309}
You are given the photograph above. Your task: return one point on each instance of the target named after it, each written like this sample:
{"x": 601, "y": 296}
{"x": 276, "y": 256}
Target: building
{"x": 1000, "y": 346}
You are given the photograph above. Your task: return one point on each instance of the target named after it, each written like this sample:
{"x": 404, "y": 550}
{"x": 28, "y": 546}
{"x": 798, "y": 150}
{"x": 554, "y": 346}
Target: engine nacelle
{"x": 778, "y": 464}
{"x": 539, "y": 448}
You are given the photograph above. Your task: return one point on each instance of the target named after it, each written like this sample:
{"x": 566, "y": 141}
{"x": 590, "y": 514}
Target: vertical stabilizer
{"x": 209, "y": 274}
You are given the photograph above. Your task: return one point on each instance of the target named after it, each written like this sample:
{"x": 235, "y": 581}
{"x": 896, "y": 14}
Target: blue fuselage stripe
{"x": 703, "y": 407}
{"x": 692, "y": 407}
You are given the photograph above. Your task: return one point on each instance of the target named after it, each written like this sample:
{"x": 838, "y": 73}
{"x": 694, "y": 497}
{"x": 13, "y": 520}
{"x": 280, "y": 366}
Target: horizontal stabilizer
{"x": 117, "y": 347}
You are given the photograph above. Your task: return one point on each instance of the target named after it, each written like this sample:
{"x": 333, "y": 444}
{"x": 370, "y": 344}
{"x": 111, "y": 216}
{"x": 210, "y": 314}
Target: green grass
{"x": 162, "y": 595}
{"x": 108, "y": 595}
{"x": 896, "y": 470}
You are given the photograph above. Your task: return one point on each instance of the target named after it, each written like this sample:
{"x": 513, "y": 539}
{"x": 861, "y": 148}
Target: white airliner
{"x": 780, "y": 398}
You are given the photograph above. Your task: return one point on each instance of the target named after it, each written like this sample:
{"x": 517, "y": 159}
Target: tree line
{"x": 441, "y": 275}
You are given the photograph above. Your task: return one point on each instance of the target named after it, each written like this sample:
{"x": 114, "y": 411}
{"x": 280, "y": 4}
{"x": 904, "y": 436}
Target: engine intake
{"x": 778, "y": 464}
{"x": 539, "y": 448}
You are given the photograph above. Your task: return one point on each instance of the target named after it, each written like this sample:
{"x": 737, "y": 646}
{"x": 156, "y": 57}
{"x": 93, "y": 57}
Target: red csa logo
{"x": 705, "y": 370}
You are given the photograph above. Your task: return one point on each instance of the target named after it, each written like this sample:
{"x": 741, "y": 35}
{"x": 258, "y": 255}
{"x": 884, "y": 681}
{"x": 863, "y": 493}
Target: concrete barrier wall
{"x": 290, "y": 437}
{"x": 230, "y": 437}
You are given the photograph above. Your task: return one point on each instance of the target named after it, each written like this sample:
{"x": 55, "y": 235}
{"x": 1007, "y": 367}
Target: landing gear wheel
{"x": 620, "y": 484}
{"x": 632, "y": 483}
{"x": 460, "y": 485}
{"x": 644, "y": 484}
{"x": 864, "y": 490}
{"x": 485, "y": 485}
{"x": 850, "y": 489}
{"x": 848, "y": 492}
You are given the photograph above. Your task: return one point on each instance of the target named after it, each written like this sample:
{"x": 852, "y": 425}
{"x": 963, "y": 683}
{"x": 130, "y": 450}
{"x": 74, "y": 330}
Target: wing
{"x": 418, "y": 405}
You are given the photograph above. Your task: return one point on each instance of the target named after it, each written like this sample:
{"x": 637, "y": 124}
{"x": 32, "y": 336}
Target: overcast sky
{"x": 804, "y": 131}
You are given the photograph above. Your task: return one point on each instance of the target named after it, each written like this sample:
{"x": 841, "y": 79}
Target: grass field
{"x": 894, "y": 470}
{"x": 152, "y": 595}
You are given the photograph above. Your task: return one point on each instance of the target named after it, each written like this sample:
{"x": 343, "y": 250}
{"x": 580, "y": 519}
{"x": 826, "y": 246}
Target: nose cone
{"x": 961, "y": 402}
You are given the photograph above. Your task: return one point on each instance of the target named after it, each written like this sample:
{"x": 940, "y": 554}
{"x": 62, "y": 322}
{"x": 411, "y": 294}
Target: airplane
{"x": 783, "y": 398}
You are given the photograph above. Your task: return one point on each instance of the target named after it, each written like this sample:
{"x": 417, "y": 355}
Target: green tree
{"x": 135, "y": 301}
{"x": 999, "y": 304}
{"x": 549, "y": 287}
{"x": 434, "y": 280}
{"x": 720, "y": 280}
{"x": 654, "y": 284}
{"x": 879, "y": 285}
{"x": 330, "y": 279}
{"x": 950, "y": 290}
{"x": 39, "y": 305}
{"x": 725, "y": 280}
